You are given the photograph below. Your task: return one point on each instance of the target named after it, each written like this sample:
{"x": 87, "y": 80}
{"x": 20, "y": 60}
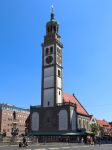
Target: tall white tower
{"x": 52, "y": 80}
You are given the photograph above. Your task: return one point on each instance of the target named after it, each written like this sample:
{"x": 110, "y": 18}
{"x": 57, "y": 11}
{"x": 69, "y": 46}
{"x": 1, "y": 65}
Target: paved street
{"x": 58, "y": 146}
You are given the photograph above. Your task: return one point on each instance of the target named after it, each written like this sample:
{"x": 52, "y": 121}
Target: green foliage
{"x": 94, "y": 128}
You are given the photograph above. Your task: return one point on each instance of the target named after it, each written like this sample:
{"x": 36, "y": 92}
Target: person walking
{"x": 24, "y": 141}
{"x": 82, "y": 140}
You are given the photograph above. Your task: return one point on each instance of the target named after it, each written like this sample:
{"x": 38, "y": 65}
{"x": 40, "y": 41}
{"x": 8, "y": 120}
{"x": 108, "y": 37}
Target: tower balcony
{"x": 66, "y": 104}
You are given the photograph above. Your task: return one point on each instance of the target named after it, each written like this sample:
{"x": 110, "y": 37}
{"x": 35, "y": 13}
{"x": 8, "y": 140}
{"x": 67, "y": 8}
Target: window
{"x": 54, "y": 28}
{"x": 58, "y": 51}
{"x": 87, "y": 125}
{"x": 79, "y": 124}
{"x": 59, "y": 73}
{"x": 48, "y": 29}
{"x": 83, "y": 124}
{"x": 48, "y": 103}
{"x": 51, "y": 50}
{"x": 59, "y": 92}
{"x": 47, "y": 51}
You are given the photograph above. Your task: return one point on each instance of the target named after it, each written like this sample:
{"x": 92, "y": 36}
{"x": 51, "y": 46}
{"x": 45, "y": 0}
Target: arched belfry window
{"x": 47, "y": 51}
{"x": 54, "y": 28}
{"x": 51, "y": 50}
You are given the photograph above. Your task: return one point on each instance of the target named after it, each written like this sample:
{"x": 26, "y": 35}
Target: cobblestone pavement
{"x": 57, "y": 146}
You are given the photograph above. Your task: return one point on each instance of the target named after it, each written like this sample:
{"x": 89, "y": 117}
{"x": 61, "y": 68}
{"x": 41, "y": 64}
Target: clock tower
{"x": 52, "y": 80}
{"x": 55, "y": 115}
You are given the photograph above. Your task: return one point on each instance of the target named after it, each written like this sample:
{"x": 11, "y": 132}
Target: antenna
{"x": 52, "y": 13}
{"x": 52, "y": 7}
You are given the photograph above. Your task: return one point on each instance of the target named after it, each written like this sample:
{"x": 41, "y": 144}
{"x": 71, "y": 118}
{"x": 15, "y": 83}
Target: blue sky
{"x": 86, "y": 31}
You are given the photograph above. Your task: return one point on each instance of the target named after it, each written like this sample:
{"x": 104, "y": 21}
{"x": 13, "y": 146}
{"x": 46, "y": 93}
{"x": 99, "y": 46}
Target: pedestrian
{"x": 78, "y": 140}
{"x": 24, "y": 141}
{"x": 82, "y": 140}
{"x": 91, "y": 141}
{"x": 99, "y": 141}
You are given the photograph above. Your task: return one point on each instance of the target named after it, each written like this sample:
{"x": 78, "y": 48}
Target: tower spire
{"x": 52, "y": 13}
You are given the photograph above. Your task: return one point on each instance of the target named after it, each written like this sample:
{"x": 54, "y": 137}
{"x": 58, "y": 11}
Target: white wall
{"x": 93, "y": 120}
{"x": 35, "y": 121}
{"x": 48, "y": 97}
{"x": 59, "y": 97}
{"x": 63, "y": 120}
{"x": 49, "y": 82}
{"x": 59, "y": 82}
{"x": 73, "y": 119}
{"x": 49, "y": 72}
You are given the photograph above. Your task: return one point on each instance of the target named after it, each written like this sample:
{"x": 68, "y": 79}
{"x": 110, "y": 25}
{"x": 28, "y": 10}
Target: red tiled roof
{"x": 103, "y": 123}
{"x": 73, "y": 99}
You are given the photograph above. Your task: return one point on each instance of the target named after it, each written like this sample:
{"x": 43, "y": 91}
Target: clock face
{"x": 49, "y": 59}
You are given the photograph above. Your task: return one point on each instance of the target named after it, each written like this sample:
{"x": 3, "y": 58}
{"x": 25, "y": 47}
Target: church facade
{"x": 60, "y": 113}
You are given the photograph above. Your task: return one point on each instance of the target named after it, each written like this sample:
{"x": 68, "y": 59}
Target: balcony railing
{"x": 66, "y": 104}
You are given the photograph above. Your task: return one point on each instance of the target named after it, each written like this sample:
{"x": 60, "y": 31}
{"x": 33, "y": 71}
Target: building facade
{"x": 60, "y": 113}
{"x": 105, "y": 128}
{"x": 12, "y": 119}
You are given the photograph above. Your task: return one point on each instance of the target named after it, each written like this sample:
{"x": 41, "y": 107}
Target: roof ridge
{"x": 78, "y": 102}
{"x": 81, "y": 104}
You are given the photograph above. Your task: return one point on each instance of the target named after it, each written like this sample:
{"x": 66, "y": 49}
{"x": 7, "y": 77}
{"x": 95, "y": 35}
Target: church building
{"x": 60, "y": 114}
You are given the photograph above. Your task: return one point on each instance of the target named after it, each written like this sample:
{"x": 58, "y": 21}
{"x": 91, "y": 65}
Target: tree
{"x": 95, "y": 129}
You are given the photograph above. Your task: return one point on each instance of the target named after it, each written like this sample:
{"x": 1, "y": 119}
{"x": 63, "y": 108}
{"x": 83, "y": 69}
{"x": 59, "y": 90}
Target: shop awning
{"x": 59, "y": 133}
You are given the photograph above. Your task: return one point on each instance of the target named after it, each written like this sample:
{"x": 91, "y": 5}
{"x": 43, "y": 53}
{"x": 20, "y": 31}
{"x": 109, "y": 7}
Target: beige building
{"x": 12, "y": 119}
